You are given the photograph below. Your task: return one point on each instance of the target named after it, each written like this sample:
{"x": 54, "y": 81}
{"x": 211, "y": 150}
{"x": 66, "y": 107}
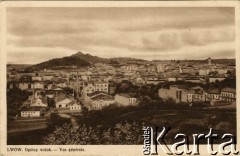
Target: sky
{"x": 38, "y": 34}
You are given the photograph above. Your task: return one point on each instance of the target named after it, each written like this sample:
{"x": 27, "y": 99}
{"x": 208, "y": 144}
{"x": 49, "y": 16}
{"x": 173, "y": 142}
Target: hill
{"x": 89, "y": 58}
{"x": 59, "y": 63}
{"x": 18, "y": 66}
{"x": 81, "y": 60}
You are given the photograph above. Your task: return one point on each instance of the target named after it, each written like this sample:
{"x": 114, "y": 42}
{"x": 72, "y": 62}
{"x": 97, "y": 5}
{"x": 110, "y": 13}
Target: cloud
{"x": 35, "y": 54}
{"x": 149, "y": 33}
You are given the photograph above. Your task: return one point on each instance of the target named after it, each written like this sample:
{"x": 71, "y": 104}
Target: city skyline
{"x": 40, "y": 34}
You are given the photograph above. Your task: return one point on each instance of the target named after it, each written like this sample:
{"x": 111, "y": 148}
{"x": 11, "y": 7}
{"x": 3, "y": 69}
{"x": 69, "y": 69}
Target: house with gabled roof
{"x": 228, "y": 94}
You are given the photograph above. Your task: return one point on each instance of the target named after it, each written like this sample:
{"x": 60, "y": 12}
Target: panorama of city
{"x": 99, "y": 75}
{"x": 107, "y": 102}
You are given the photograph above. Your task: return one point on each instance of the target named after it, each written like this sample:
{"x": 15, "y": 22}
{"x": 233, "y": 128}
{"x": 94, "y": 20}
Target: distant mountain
{"x": 18, "y": 66}
{"x": 60, "y": 63}
{"x": 127, "y": 60}
{"x": 82, "y": 60}
{"x": 76, "y": 60}
{"x": 224, "y": 61}
{"x": 89, "y": 58}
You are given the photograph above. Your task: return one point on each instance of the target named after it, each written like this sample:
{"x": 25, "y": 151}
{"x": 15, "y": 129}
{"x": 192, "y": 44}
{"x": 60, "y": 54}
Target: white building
{"x": 204, "y": 71}
{"x": 101, "y": 86}
{"x": 161, "y": 68}
{"x": 47, "y": 77}
{"x": 75, "y": 106}
{"x": 100, "y": 101}
{"x": 36, "y": 78}
{"x": 24, "y": 85}
{"x": 214, "y": 79}
{"x": 125, "y": 100}
{"x": 66, "y": 102}
{"x": 31, "y": 112}
{"x": 38, "y": 85}
{"x": 97, "y": 86}
{"x": 228, "y": 94}
{"x": 88, "y": 89}
{"x": 38, "y": 102}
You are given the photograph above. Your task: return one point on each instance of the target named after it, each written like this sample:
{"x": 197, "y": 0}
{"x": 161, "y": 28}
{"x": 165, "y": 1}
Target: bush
{"x": 121, "y": 133}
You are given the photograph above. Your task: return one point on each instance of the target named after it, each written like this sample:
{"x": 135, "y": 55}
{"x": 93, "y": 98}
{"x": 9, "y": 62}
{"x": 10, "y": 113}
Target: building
{"x": 152, "y": 68}
{"x": 47, "y": 77}
{"x": 161, "y": 68}
{"x": 203, "y": 71}
{"x": 38, "y": 85}
{"x": 139, "y": 81}
{"x": 173, "y": 79}
{"x": 174, "y": 92}
{"x": 65, "y": 102}
{"x": 36, "y": 78}
{"x": 154, "y": 81}
{"x": 186, "y": 70}
{"x": 179, "y": 93}
{"x": 61, "y": 83}
{"x": 214, "y": 79}
{"x": 228, "y": 94}
{"x": 75, "y": 107}
{"x": 112, "y": 88}
{"x": 100, "y": 101}
{"x": 193, "y": 80}
{"x": 213, "y": 95}
{"x": 97, "y": 100}
{"x": 195, "y": 94}
{"x": 101, "y": 86}
{"x": 88, "y": 89}
{"x": 86, "y": 77}
{"x": 95, "y": 87}
{"x": 25, "y": 85}
{"x": 125, "y": 100}
{"x": 39, "y": 102}
{"x": 32, "y": 112}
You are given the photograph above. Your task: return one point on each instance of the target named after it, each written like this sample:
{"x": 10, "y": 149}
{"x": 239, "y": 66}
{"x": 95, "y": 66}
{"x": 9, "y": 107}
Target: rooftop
{"x": 102, "y": 97}
{"x": 37, "y": 108}
{"x": 230, "y": 90}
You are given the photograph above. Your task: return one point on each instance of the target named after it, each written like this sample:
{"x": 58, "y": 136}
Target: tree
{"x": 84, "y": 110}
{"x": 121, "y": 133}
{"x": 15, "y": 99}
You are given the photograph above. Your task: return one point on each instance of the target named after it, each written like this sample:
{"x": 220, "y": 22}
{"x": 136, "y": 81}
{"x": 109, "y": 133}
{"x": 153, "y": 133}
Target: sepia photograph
{"x": 120, "y": 75}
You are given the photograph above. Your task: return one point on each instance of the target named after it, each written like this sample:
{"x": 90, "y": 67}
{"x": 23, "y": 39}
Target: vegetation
{"x": 15, "y": 98}
{"x": 89, "y": 58}
{"x": 121, "y": 133}
{"x": 123, "y": 125}
{"x": 61, "y": 62}
{"x": 148, "y": 94}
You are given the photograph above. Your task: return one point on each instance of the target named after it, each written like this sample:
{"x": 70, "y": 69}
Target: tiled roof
{"x": 230, "y": 90}
{"x": 37, "y": 108}
{"x": 214, "y": 91}
{"x": 103, "y": 97}
{"x": 125, "y": 95}
{"x": 96, "y": 93}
